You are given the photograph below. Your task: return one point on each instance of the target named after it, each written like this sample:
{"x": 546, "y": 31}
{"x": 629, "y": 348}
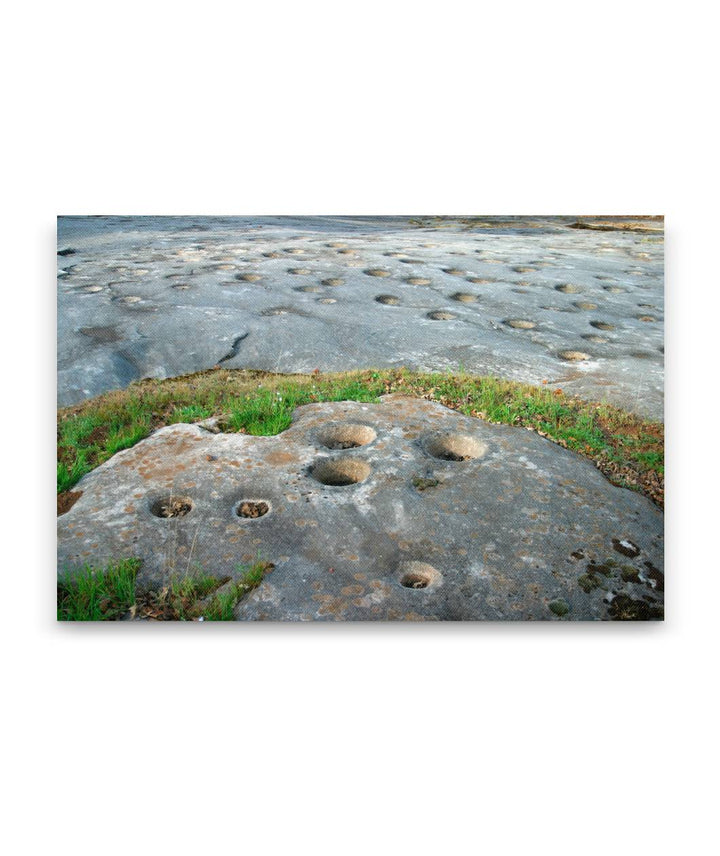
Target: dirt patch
{"x": 624, "y": 608}
{"x": 66, "y": 500}
{"x": 626, "y": 548}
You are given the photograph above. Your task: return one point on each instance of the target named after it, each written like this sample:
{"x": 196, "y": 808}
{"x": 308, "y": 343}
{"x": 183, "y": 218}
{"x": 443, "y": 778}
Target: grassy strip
{"x": 108, "y": 594}
{"x": 98, "y": 595}
{"x": 626, "y": 448}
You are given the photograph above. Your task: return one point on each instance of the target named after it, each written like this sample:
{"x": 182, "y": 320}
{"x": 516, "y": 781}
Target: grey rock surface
{"x": 432, "y": 515}
{"x": 530, "y": 299}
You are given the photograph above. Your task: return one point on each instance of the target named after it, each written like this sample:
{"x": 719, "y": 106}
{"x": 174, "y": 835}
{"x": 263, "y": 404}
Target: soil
{"x": 173, "y": 508}
{"x": 253, "y": 509}
{"x": 66, "y": 500}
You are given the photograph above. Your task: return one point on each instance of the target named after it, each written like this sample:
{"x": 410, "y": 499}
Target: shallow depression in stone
{"x": 418, "y": 575}
{"x": 340, "y": 472}
{"x": 171, "y": 506}
{"x": 454, "y": 447}
{"x": 347, "y": 436}
{"x": 251, "y": 509}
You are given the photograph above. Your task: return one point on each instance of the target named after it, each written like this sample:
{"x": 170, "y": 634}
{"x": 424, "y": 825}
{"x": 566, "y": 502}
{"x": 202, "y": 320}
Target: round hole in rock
{"x": 252, "y": 508}
{"x": 340, "y": 472}
{"x": 333, "y": 280}
{"x": 568, "y": 288}
{"x": 377, "y": 272}
{"x": 602, "y": 325}
{"x": 171, "y": 506}
{"x": 387, "y": 299}
{"x": 573, "y": 356}
{"x": 463, "y": 297}
{"x": 248, "y": 277}
{"x": 418, "y": 280}
{"x": 454, "y": 271}
{"x": 454, "y": 447}
{"x": 440, "y": 316}
{"x": 418, "y": 575}
{"x": 347, "y": 436}
{"x": 299, "y": 271}
{"x": 520, "y": 323}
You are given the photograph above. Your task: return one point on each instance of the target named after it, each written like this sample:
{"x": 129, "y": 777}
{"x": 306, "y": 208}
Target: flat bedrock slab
{"x": 435, "y": 516}
{"x": 159, "y": 297}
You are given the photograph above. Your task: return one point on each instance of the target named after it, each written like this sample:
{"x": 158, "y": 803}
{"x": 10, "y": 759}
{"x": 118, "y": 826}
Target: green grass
{"x": 108, "y": 594}
{"x": 629, "y": 450}
{"x": 222, "y": 606}
{"x": 98, "y": 594}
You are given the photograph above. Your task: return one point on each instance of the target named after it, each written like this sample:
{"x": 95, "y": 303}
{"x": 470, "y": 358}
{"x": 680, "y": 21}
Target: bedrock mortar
{"x": 160, "y": 297}
{"x": 505, "y": 532}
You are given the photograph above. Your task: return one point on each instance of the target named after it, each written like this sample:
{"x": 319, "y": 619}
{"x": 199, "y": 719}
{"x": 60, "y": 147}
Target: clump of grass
{"x": 179, "y": 600}
{"x": 93, "y": 594}
{"x": 222, "y": 606}
{"x": 108, "y": 594}
{"x": 626, "y": 448}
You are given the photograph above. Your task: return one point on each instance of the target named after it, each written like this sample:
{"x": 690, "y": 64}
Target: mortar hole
{"x": 347, "y": 436}
{"x": 520, "y": 323}
{"x": 573, "y": 356}
{"x": 171, "y": 506}
{"x": 418, "y": 575}
{"x": 455, "y": 447}
{"x": 340, "y": 472}
{"x": 251, "y": 508}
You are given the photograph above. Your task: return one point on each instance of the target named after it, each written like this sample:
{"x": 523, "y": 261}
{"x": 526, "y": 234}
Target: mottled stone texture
{"x": 159, "y": 297}
{"x": 435, "y": 516}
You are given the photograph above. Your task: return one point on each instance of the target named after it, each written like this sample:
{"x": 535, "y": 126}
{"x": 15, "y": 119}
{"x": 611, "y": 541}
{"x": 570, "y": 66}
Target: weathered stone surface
{"x": 433, "y": 515}
{"x": 159, "y": 297}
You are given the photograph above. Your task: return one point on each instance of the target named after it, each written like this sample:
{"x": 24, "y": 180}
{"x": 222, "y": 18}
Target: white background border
{"x": 552, "y": 738}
